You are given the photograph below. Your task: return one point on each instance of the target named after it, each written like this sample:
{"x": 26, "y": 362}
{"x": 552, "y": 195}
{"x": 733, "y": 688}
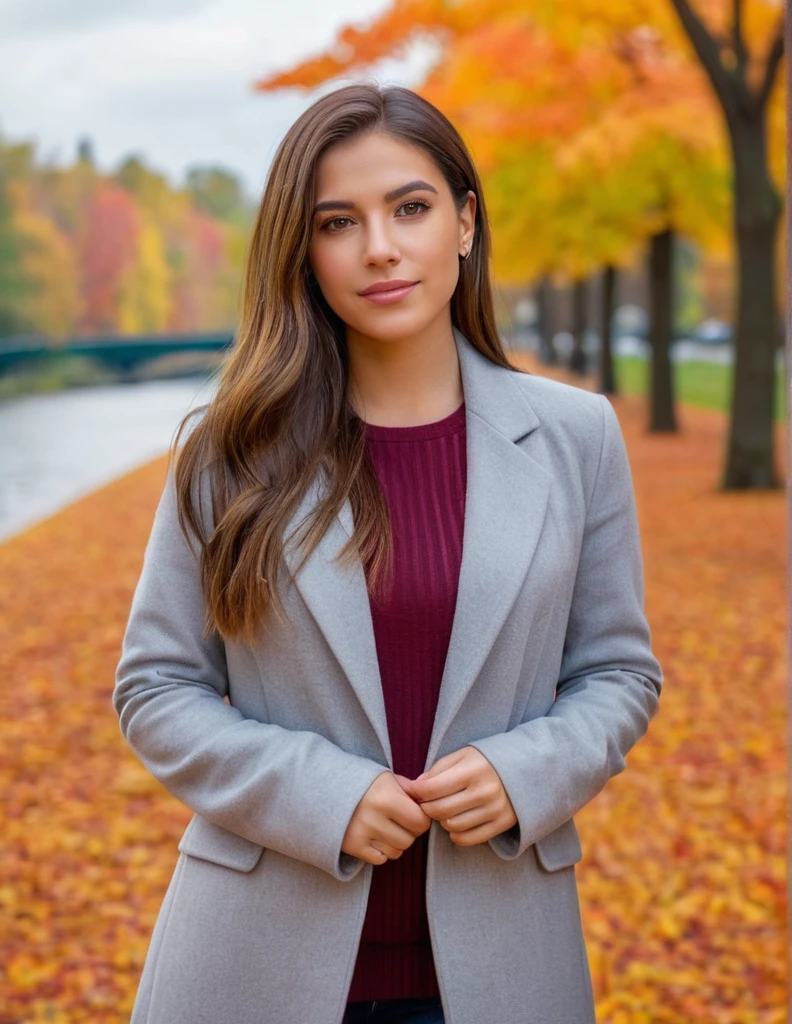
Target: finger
{"x": 448, "y": 806}
{"x": 396, "y": 835}
{"x": 406, "y": 784}
{"x": 471, "y": 819}
{"x": 389, "y": 852}
{"x": 369, "y": 855}
{"x": 469, "y": 758}
{"x": 474, "y": 836}
{"x": 452, "y": 780}
{"x": 444, "y": 762}
{"x": 409, "y": 815}
{"x": 412, "y": 826}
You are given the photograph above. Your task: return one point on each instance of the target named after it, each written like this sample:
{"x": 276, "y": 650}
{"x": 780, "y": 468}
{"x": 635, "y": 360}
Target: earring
{"x": 464, "y": 255}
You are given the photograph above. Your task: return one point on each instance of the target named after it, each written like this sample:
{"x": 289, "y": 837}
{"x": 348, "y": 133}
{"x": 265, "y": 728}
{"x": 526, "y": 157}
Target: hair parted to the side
{"x": 280, "y": 414}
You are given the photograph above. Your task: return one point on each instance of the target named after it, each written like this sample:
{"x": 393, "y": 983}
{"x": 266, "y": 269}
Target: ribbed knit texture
{"x": 423, "y": 473}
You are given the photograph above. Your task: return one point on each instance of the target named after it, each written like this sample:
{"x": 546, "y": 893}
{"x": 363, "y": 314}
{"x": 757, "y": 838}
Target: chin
{"x": 395, "y": 328}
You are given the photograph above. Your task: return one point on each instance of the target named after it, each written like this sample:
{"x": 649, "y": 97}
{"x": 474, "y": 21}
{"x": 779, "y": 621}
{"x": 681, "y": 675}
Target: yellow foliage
{"x": 145, "y": 296}
{"x": 52, "y": 305}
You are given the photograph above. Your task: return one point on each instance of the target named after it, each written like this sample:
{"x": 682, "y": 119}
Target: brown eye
{"x": 326, "y": 226}
{"x": 419, "y": 203}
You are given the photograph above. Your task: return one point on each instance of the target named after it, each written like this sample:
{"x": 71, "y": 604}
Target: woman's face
{"x": 384, "y": 212}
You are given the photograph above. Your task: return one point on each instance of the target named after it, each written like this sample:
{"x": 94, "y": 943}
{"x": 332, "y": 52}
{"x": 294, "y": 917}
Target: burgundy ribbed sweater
{"x": 422, "y": 471}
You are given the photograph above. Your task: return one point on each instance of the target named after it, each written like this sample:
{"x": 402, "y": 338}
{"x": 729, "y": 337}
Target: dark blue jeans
{"x": 395, "y": 1011}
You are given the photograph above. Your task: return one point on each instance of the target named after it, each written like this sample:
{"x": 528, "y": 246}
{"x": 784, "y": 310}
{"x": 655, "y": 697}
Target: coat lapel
{"x": 338, "y": 600}
{"x": 505, "y": 507}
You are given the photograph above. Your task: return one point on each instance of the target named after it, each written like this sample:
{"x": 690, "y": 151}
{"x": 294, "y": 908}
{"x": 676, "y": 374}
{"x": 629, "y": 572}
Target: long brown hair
{"x": 280, "y": 414}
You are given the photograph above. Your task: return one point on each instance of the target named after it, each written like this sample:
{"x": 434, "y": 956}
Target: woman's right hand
{"x": 386, "y": 822}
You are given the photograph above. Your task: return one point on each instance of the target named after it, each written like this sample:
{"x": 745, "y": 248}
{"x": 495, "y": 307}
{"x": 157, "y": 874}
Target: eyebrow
{"x": 396, "y": 193}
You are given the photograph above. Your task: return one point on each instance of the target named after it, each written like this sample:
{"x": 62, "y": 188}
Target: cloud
{"x": 53, "y": 17}
{"x": 173, "y": 86}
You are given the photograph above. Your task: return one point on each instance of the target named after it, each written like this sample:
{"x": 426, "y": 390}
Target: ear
{"x": 467, "y": 222}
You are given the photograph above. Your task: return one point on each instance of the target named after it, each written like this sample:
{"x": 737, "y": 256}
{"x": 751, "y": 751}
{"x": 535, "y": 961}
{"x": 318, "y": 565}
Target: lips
{"x": 388, "y": 293}
{"x": 387, "y": 286}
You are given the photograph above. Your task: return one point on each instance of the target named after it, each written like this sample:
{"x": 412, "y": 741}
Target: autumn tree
{"x": 51, "y": 296}
{"x": 569, "y": 74}
{"x": 108, "y": 247}
{"x": 589, "y": 148}
{"x": 743, "y": 82}
{"x": 13, "y": 286}
{"x": 144, "y": 299}
{"x": 219, "y": 193}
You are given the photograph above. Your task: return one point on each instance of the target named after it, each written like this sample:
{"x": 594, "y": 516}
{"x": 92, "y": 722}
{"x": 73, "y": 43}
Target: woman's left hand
{"x": 465, "y": 794}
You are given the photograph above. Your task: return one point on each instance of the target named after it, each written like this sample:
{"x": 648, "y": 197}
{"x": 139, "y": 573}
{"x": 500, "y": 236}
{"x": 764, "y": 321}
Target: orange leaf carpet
{"x": 683, "y": 879}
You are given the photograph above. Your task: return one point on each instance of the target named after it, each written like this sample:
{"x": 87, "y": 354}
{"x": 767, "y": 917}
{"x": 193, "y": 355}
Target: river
{"x": 56, "y": 447}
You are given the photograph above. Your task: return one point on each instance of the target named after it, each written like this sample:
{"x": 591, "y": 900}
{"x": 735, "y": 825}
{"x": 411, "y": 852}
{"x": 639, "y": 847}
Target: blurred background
{"x": 134, "y": 144}
{"x": 133, "y": 151}
{"x": 633, "y": 161}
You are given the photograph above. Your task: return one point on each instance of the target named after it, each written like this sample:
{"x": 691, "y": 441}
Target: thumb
{"x": 407, "y": 785}
{"x": 443, "y": 764}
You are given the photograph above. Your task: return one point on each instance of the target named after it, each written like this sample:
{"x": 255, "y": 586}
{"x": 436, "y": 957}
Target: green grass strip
{"x": 707, "y": 385}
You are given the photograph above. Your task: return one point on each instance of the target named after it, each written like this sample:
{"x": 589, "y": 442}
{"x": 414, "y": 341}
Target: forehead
{"x": 371, "y": 165}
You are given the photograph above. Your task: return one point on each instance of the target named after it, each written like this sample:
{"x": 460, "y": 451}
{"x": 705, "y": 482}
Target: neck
{"x": 404, "y": 382}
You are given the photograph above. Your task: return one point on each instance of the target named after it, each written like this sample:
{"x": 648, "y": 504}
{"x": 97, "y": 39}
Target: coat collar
{"x": 505, "y": 508}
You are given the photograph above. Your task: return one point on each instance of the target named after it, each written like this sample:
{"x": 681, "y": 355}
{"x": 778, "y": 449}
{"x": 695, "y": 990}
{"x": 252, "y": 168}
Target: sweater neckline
{"x": 451, "y": 424}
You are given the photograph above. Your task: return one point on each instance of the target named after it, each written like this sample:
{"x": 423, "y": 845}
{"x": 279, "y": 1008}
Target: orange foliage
{"x": 594, "y": 124}
{"x": 682, "y": 881}
{"x": 356, "y": 47}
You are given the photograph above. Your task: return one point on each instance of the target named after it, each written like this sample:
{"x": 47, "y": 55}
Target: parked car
{"x": 713, "y": 332}
{"x": 629, "y": 321}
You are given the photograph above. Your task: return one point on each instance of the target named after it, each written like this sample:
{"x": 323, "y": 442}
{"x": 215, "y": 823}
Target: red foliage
{"x": 107, "y": 250}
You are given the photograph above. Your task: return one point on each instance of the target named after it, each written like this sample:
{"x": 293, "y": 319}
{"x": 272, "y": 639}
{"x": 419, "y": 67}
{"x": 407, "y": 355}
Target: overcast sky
{"x": 169, "y": 80}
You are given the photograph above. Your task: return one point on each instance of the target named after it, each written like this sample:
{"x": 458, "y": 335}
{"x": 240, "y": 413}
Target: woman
{"x": 383, "y": 733}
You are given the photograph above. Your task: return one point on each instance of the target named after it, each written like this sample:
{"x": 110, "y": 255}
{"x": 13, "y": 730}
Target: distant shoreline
{"x": 61, "y": 373}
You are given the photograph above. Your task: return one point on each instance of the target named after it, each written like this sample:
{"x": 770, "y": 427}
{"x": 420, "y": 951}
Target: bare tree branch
{"x": 702, "y": 40}
{"x": 774, "y": 55}
{"x": 730, "y": 86}
{"x": 738, "y": 42}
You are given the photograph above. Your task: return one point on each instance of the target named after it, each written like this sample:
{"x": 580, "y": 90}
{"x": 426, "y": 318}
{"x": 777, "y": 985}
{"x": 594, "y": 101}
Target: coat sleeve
{"x": 290, "y": 791}
{"x": 609, "y": 681}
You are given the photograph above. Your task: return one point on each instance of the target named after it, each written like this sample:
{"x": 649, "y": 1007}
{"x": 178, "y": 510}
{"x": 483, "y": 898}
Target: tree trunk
{"x": 607, "y": 383}
{"x": 544, "y": 296}
{"x": 577, "y": 359}
{"x": 662, "y": 415}
{"x": 750, "y": 461}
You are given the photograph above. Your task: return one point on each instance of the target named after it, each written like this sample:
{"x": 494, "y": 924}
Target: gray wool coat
{"x": 549, "y": 673}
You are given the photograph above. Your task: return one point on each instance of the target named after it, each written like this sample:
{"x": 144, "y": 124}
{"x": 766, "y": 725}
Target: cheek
{"x": 438, "y": 246}
{"x": 319, "y": 261}
{"x": 330, "y": 269}
{"x": 442, "y": 265}
{"x": 440, "y": 255}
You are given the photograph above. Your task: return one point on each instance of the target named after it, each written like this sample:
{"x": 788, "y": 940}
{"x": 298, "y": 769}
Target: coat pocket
{"x": 560, "y": 848}
{"x": 206, "y": 841}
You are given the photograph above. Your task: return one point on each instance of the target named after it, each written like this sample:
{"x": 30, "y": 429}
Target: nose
{"x": 379, "y": 244}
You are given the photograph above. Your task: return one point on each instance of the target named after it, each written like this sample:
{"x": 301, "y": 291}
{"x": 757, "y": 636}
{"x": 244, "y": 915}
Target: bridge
{"x": 122, "y": 353}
